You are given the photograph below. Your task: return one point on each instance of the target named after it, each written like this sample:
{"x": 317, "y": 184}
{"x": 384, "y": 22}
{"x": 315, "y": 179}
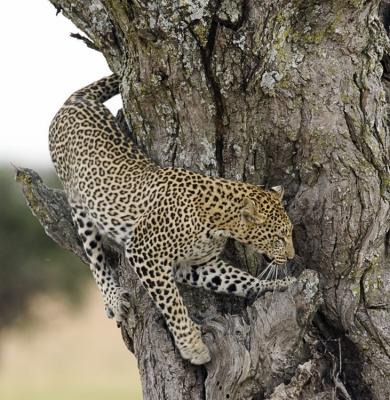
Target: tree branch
{"x": 101, "y": 32}
{"x": 87, "y": 41}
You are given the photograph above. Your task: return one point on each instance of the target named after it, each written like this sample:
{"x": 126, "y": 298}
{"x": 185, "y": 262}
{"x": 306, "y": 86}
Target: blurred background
{"x": 55, "y": 340}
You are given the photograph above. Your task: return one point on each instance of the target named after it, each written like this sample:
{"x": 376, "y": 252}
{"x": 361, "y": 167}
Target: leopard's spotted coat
{"x": 172, "y": 222}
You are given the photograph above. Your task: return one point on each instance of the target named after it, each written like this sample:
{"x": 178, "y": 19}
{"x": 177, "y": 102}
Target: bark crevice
{"x": 206, "y": 52}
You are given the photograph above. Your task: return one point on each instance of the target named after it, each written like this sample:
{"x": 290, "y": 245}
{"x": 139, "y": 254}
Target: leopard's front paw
{"x": 194, "y": 349}
{"x": 196, "y": 355}
{"x": 286, "y": 282}
{"x": 261, "y": 287}
{"x": 118, "y": 304}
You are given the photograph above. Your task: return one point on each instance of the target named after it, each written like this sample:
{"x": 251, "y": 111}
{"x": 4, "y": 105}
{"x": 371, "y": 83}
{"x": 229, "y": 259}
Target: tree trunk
{"x": 271, "y": 92}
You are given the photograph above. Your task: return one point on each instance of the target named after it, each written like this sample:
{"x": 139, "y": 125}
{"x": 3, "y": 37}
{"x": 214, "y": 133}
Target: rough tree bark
{"x": 271, "y": 92}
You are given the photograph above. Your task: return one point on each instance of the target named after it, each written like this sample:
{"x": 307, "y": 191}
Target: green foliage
{"x": 30, "y": 262}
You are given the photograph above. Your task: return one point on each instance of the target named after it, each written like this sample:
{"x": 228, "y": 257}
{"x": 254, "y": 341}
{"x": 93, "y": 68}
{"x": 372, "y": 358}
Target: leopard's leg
{"x": 116, "y": 298}
{"x": 154, "y": 269}
{"x": 159, "y": 283}
{"x": 218, "y": 276}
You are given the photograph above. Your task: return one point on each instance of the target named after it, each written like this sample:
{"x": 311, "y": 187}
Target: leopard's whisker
{"x": 265, "y": 270}
{"x": 262, "y": 272}
{"x": 283, "y": 270}
{"x": 270, "y": 273}
{"x": 276, "y": 278}
{"x": 274, "y": 272}
{"x": 268, "y": 269}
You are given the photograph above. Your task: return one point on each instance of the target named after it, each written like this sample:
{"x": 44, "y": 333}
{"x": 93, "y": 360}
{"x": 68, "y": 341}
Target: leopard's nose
{"x": 290, "y": 252}
{"x": 290, "y": 255}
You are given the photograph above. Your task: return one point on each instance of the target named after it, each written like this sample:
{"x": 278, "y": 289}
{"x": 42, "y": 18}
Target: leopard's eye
{"x": 280, "y": 241}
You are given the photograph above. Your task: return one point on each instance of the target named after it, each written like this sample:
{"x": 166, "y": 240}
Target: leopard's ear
{"x": 249, "y": 212}
{"x": 279, "y": 190}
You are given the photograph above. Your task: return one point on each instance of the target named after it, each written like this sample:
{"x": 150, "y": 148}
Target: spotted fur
{"x": 173, "y": 223}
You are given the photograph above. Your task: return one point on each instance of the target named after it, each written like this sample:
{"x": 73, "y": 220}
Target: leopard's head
{"x": 265, "y": 225}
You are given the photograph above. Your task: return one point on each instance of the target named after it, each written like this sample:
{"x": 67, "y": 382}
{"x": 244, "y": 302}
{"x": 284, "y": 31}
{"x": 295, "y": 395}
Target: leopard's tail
{"x": 99, "y": 91}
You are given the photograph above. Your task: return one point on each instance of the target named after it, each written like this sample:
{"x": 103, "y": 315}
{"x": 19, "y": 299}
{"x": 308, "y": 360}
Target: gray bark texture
{"x": 271, "y": 92}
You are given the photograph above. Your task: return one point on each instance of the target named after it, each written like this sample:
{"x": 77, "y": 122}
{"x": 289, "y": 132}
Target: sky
{"x": 41, "y": 65}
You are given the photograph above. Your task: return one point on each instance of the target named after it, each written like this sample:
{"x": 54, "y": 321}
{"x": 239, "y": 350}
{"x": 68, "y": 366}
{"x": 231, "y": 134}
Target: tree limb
{"x": 84, "y": 39}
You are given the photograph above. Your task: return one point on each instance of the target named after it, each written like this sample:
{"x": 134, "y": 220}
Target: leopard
{"x": 172, "y": 223}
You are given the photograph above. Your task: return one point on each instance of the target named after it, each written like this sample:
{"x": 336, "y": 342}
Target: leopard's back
{"x": 98, "y": 165}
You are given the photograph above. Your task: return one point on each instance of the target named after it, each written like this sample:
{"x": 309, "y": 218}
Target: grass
{"x": 67, "y": 354}
{"x": 58, "y": 390}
